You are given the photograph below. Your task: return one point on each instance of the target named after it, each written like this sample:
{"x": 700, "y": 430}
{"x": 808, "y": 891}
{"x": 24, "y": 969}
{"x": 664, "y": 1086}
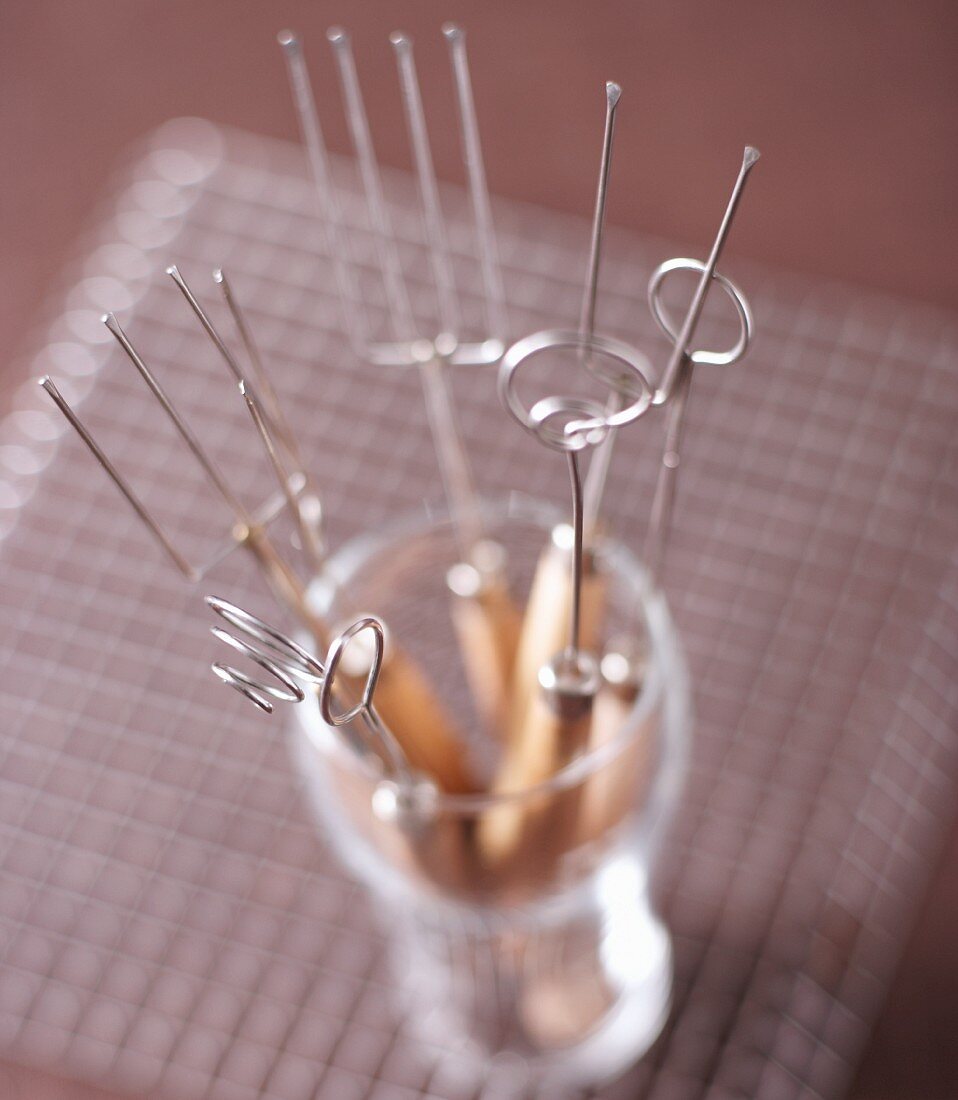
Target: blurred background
{"x": 853, "y": 107}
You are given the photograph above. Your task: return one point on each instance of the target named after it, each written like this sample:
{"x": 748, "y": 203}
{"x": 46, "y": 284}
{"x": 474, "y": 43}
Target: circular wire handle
{"x": 586, "y": 420}
{"x": 671, "y": 330}
{"x": 333, "y": 657}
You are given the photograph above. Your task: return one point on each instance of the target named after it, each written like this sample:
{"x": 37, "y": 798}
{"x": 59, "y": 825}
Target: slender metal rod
{"x": 577, "y": 552}
{"x": 283, "y": 580}
{"x": 263, "y": 386}
{"x": 675, "y": 387}
{"x": 454, "y": 467}
{"x": 680, "y": 349}
{"x": 120, "y": 482}
{"x": 443, "y": 421}
{"x": 187, "y": 434}
{"x": 494, "y": 295}
{"x": 208, "y": 327}
{"x": 602, "y": 458}
{"x": 428, "y": 190}
{"x": 337, "y": 245}
{"x": 312, "y": 547}
{"x": 660, "y": 519}
{"x": 401, "y": 314}
{"x": 277, "y": 429}
{"x": 229, "y": 359}
{"x": 587, "y": 317}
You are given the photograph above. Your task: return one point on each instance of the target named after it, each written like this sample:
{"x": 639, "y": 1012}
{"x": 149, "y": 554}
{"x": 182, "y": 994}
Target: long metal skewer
{"x": 680, "y": 350}
{"x": 676, "y": 380}
{"x": 601, "y": 460}
{"x": 551, "y": 591}
{"x": 120, "y": 482}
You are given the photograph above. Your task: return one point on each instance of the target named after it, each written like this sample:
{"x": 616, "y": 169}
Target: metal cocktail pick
{"x": 550, "y": 594}
{"x": 676, "y": 379}
{"x": 623, "y": 664}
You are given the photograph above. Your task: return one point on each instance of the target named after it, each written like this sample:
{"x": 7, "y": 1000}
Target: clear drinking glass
{"x": 555, "y": 958}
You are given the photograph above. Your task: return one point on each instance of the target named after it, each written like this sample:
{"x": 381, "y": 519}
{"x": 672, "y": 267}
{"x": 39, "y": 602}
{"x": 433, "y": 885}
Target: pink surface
{"x": 169, "y": 919}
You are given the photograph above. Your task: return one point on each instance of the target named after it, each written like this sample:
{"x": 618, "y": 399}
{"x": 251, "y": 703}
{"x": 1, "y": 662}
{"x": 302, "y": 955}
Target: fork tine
{"x": 337, "y": 243}
{"x": 267, "y": 395}
{"x": 309, "y": 535}
{"x": 429, "y": 193}
{"x": 230, "y": 360}
{"x": 495, "y": 299}
{"x": 401, "y": 315}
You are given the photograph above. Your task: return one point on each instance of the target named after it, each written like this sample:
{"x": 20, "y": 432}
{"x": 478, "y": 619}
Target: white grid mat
{"x": 169, "y": 921}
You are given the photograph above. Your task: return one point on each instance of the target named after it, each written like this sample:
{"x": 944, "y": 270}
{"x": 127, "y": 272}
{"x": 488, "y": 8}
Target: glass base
{"x": 554, "y": 1007}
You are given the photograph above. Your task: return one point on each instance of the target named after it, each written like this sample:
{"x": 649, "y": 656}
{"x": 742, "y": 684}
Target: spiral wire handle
{"x": 291, "y": 666}
{"x": 569, "y": 425}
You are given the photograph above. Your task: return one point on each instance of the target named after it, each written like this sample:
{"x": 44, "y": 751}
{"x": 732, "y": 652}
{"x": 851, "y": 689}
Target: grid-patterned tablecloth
{"x": 169, "y": 919}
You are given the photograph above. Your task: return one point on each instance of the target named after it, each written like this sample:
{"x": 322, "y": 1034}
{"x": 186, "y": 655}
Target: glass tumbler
{"x": 553, "y": 960}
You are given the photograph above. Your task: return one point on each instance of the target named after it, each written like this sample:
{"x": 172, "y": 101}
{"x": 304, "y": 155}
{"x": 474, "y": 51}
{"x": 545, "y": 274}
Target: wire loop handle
{"x": 333, "y": 658}
{"x": 671, "y": 329}
{"x": 291, "y": 665}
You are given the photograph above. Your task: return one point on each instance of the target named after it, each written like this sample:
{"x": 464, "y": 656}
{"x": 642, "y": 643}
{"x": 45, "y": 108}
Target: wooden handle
{"x": 487, "y": 625}
{"x": 433, "y": 850}
{"x": 615, "y": 787}
{"x": 545, "y": 627}
{"x": 409, "y": 707}
{"x": 525, "y": 832}
{"x": 541, "y": 741}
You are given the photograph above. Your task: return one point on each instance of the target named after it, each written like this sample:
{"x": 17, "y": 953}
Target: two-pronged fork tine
{"x": 272, "y": 426}
{"x": 263, "y": 386}
{"x": 409, "y": 704}
{"x": 307, "y": 531}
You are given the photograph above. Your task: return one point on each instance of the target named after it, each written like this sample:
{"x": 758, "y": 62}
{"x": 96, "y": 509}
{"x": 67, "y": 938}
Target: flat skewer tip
{"x": 337, "y": 36}
{"x": 751, "y": 156}
{"x": 613, "y": 92}
{"x": 453, "y": 32}
{"x": 401, "y": 40}
{"x": 288, "y": 40}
